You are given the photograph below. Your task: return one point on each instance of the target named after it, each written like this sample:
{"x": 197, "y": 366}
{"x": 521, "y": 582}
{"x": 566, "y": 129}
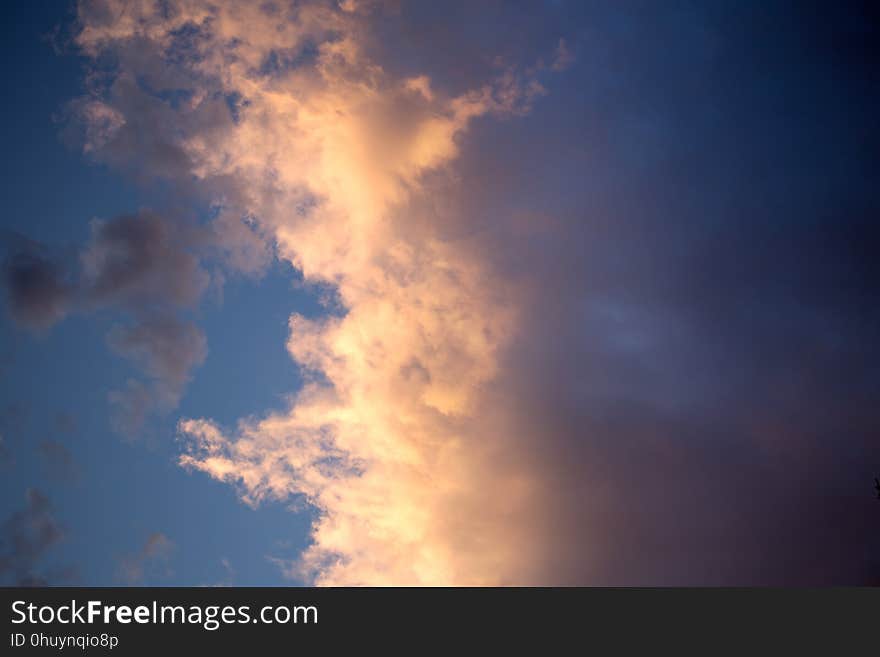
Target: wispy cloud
{"x": 167, "y": 350}
{"x": 145, "y": 265}
{"x": 151, "y": 560}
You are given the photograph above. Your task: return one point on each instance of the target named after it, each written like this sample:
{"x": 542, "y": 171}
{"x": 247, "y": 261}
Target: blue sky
{"x": 125, "y": 491}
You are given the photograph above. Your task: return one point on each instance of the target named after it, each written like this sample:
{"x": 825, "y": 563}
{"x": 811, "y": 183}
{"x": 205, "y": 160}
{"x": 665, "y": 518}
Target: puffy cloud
{"x": 326, "y": 155}
{"x": 142, "y": 260}
{"x": 606, "y": 389}
{"x": 38, "y": 292}
{"x": 144, "y": 264}
{"x": 148, "y": 265}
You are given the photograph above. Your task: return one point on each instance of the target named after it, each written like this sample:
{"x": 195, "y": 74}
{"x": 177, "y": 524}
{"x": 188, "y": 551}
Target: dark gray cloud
{"x": 699, "y": 378}
{"x": 135, "y": 262}
{"x": 145, "y": 265}
{"x": 37, "y": 290}
{"x": 142, "y": 260}
{"x": 166, "y": 348}
{"x": 25, "y": 539}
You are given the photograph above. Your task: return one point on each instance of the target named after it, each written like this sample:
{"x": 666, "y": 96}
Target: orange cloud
{"x": 330, "y": 157}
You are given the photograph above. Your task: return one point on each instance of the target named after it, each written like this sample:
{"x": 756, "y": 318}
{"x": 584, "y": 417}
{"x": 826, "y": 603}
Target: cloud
{"x": 37, "y": 291}
{"x": 228, "y": 577}
{"x": 58, "y": 461}
{"x": 325, "y": 154}
{"x": 25, "y": 538}
{"x": 584, "y": 349}
{"x": 167, "y": 350}
{"x": 697, "y": 368}
{"x": 563, "y": 57}
{"x": 146, "y": 265}
{"x": 142, "y": 260}
{"x": 150, "y": 560}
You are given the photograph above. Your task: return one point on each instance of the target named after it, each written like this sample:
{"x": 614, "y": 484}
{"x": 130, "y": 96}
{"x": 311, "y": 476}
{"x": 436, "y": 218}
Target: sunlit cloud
{"x": 326, "y": 158}
{"x": 565, "y": 325}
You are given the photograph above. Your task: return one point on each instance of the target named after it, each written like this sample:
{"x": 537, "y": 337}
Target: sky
{"x": 395, "y": 293}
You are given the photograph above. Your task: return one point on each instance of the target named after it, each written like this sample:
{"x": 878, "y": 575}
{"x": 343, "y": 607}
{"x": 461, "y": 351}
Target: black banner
{"x": 124, "y": 621}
